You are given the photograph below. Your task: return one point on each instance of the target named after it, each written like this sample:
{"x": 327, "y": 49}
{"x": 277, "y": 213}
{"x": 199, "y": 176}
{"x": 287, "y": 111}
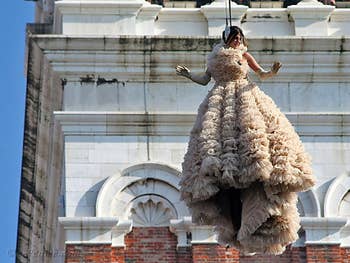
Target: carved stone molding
{"x": 147, "y": 194}
{"x": 151, "y": 210}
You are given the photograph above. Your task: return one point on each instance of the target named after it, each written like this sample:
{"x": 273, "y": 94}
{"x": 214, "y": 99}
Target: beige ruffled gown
{"x": 244, "y": 162}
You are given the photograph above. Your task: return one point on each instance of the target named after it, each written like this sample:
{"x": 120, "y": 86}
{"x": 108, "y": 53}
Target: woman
{"x": 245, "y": 163}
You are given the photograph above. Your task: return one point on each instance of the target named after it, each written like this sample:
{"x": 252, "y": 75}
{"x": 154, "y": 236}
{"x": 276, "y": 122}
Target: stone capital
{"x": 119, "y": 231}
{"x": 180, "y": 227}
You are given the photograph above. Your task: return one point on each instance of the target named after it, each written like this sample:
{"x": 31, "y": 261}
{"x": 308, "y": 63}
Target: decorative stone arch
{"x": 308, "y": 204}
{"x": 337, "y": 191}
{"x": 147, "y": 193}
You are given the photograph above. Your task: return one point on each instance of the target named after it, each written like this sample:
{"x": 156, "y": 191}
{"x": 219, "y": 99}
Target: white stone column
{"x": 94, "y": 17}
{"x": 310, "y": 18}
{"x": 215, "y": 14}
{"x": 145, "y": 19}
{"x": 323, "y": 231}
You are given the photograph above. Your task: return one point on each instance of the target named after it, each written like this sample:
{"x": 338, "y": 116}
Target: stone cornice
{"x": 189, "y": 43}
{"x": 152, "y": 59}
{"x": 179, "y": 123}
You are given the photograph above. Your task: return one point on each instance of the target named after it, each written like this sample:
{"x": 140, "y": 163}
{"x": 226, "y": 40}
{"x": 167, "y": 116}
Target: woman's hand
{"x": 276, "y": 67}
{"x": 271, "y": 73}
{"x": 183, "y": 71}
{"x": 200, "y": 78}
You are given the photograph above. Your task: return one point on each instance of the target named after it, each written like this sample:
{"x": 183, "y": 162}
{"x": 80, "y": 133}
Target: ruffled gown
{"x": 244, "y": 163}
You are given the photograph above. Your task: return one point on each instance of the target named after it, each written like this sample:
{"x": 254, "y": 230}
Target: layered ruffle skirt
{"x": 243, "y": 168}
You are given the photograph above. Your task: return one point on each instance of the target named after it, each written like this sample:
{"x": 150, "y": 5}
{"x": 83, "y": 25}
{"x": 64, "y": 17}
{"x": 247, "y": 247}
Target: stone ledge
{"x": 188, "y": 43}
{"x": 88, "y": 222}
{"x": 88, "y": 230}
{"x": 180, "y": 123}
{"x": 323, "y": 231}
{"x": 95, "y": 230}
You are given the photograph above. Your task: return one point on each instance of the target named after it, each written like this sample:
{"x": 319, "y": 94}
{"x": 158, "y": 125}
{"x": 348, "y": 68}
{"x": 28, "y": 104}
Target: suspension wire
{"x": 229, "y": 4}
{"x": 226, "y": 15}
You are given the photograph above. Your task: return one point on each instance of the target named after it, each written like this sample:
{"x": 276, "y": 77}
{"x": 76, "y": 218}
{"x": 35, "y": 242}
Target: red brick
{"x": 158, "y": 244}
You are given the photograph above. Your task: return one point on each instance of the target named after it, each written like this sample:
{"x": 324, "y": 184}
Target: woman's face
{"x": 235, "y": 41}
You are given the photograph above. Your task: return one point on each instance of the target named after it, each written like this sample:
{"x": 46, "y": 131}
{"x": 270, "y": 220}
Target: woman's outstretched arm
{"x": 200, "y": 78}
{"x": 263, "y": 74}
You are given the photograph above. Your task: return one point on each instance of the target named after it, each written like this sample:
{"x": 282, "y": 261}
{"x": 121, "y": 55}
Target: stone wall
{"x": 42, "y": 162}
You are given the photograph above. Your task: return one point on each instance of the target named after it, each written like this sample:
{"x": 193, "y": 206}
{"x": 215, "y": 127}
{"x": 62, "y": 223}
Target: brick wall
{"x": 211, "y": 253}
{"x": 94, "y": 253}
{"x": 150, "y": 245}
{"x": 291, "y": 255}
{"x": 184, "y": 255}
{"x": 324, "y": 254}
{"x": 158, "y": 245}
{"x": 345, "y": 252}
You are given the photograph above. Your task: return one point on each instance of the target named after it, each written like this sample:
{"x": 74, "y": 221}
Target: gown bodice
{"x": 225, "y": 64}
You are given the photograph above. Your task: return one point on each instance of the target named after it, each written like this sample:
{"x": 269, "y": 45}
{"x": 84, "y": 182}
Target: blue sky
{"x": 13, "y": 18}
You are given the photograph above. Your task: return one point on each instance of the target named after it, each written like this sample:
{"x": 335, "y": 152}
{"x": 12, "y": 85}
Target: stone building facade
{"x": 107, "y": 124}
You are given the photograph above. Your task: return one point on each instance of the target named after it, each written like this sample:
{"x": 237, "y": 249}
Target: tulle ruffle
{"x": 244, "y": 163}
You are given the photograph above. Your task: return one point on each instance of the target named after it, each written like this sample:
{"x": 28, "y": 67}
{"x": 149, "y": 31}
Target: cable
{"x": 229, "y": 4}
{"x": 226, "y": 12}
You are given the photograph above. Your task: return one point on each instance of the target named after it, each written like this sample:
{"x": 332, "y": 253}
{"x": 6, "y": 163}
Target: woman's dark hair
{"x": 234, "y": 31}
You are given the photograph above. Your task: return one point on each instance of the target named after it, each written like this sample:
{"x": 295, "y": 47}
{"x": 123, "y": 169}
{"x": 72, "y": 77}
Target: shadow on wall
{"x": 322, "y": 190}
{"x": 87, "y": 203}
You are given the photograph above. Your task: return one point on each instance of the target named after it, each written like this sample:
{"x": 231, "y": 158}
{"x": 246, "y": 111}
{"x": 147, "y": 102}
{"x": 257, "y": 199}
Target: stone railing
{"x": 139, "y": 17}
